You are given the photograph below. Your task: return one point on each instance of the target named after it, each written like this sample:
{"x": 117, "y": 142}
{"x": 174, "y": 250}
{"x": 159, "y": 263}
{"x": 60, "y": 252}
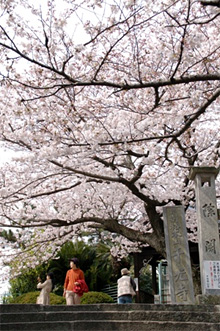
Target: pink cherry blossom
{"x": 107, "y": 106}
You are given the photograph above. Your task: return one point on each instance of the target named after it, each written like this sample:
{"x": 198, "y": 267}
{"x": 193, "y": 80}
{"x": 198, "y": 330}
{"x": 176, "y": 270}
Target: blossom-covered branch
{"x": 105, "y": 114}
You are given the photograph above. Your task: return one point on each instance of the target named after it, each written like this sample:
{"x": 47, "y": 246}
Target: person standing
{"x": 74, "y": 276}
{"x": 46, "y": 288}
{"x": 126, "y": 287}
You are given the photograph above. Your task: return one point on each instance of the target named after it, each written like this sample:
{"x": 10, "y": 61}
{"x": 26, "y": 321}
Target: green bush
{"x": 31, "y": 297}
{"x": 57, "y": 299}
{"x": 96, "y": 297}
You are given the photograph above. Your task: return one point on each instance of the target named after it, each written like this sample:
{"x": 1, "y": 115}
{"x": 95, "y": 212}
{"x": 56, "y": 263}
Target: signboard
{"x": 212, "y": 275}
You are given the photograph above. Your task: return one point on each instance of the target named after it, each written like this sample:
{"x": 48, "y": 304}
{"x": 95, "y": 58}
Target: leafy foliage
{"x": 146, "y": 279}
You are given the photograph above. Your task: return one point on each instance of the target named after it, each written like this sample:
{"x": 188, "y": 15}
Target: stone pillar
{"x": 178, "y": 258}
{"x": 208, "y": 231}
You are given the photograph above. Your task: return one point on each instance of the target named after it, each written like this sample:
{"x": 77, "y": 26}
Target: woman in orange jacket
{"x": 72, "y": 280}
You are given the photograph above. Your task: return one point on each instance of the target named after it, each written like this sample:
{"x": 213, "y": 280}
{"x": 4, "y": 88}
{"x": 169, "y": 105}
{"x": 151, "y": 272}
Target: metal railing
{"x": 111, "y": 290}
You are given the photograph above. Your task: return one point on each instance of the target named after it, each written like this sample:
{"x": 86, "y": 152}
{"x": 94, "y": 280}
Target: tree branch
{"x": 215, "y": 3}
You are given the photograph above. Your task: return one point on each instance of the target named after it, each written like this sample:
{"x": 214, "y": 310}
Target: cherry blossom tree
{"x": 107, "y": 105}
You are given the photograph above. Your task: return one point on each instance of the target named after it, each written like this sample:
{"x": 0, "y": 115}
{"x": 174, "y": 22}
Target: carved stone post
{"x": 208, "y": 231}
{"x": 178, "y": 258}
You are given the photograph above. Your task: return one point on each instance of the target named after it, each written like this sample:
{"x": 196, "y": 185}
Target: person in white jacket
{"x": 126, "y": 287}
{"x": 46, "y": 288}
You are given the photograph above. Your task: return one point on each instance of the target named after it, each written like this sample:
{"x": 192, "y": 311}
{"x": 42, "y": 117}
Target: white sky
{"x": 5, "y": 155}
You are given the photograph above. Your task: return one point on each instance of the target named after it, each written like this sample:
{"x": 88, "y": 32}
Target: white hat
{"x": 125, "y": 271}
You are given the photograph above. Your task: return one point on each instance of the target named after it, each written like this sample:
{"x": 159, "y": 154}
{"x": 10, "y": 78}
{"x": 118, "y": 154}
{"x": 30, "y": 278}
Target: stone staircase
{"x": 106, "y": 317}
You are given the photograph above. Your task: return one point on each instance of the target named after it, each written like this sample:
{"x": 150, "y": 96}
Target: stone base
{"x": 202, "y": 299}
{"x": 157, "y": 299}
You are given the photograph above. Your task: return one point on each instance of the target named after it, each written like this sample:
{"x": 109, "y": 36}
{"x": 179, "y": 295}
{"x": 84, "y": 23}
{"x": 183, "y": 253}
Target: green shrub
{"x": 31, "y": 297}
{"x": 96, "y": 297}
{"x": 57, "y": 299}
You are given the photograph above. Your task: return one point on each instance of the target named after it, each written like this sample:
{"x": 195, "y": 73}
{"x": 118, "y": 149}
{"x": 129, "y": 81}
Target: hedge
{"x": 96, "y": 297}
{"x": 86, "y": 299}
{"x": 31, "y": 297}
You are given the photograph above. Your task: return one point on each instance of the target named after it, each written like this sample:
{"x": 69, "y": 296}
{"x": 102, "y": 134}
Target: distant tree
{"x": 27, "y": 281}
{"x": 99, "y": 266}
{"x": 8, "y": 236}
{"x": 145, "y": 281}
{"x": 106, "y": 269}
{"x": 85, "y": 253}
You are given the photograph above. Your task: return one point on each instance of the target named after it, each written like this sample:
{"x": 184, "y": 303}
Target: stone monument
{"x": 208, "y": 230}
{"x": 178, "y": 258}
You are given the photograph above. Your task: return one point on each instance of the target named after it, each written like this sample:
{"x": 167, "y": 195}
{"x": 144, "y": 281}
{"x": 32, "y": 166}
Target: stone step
{"x": 113, "y": 325}
{"x": 6, "y": 308}
{"x": 175, "y": 316}
{"x": 107, "y": 317}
